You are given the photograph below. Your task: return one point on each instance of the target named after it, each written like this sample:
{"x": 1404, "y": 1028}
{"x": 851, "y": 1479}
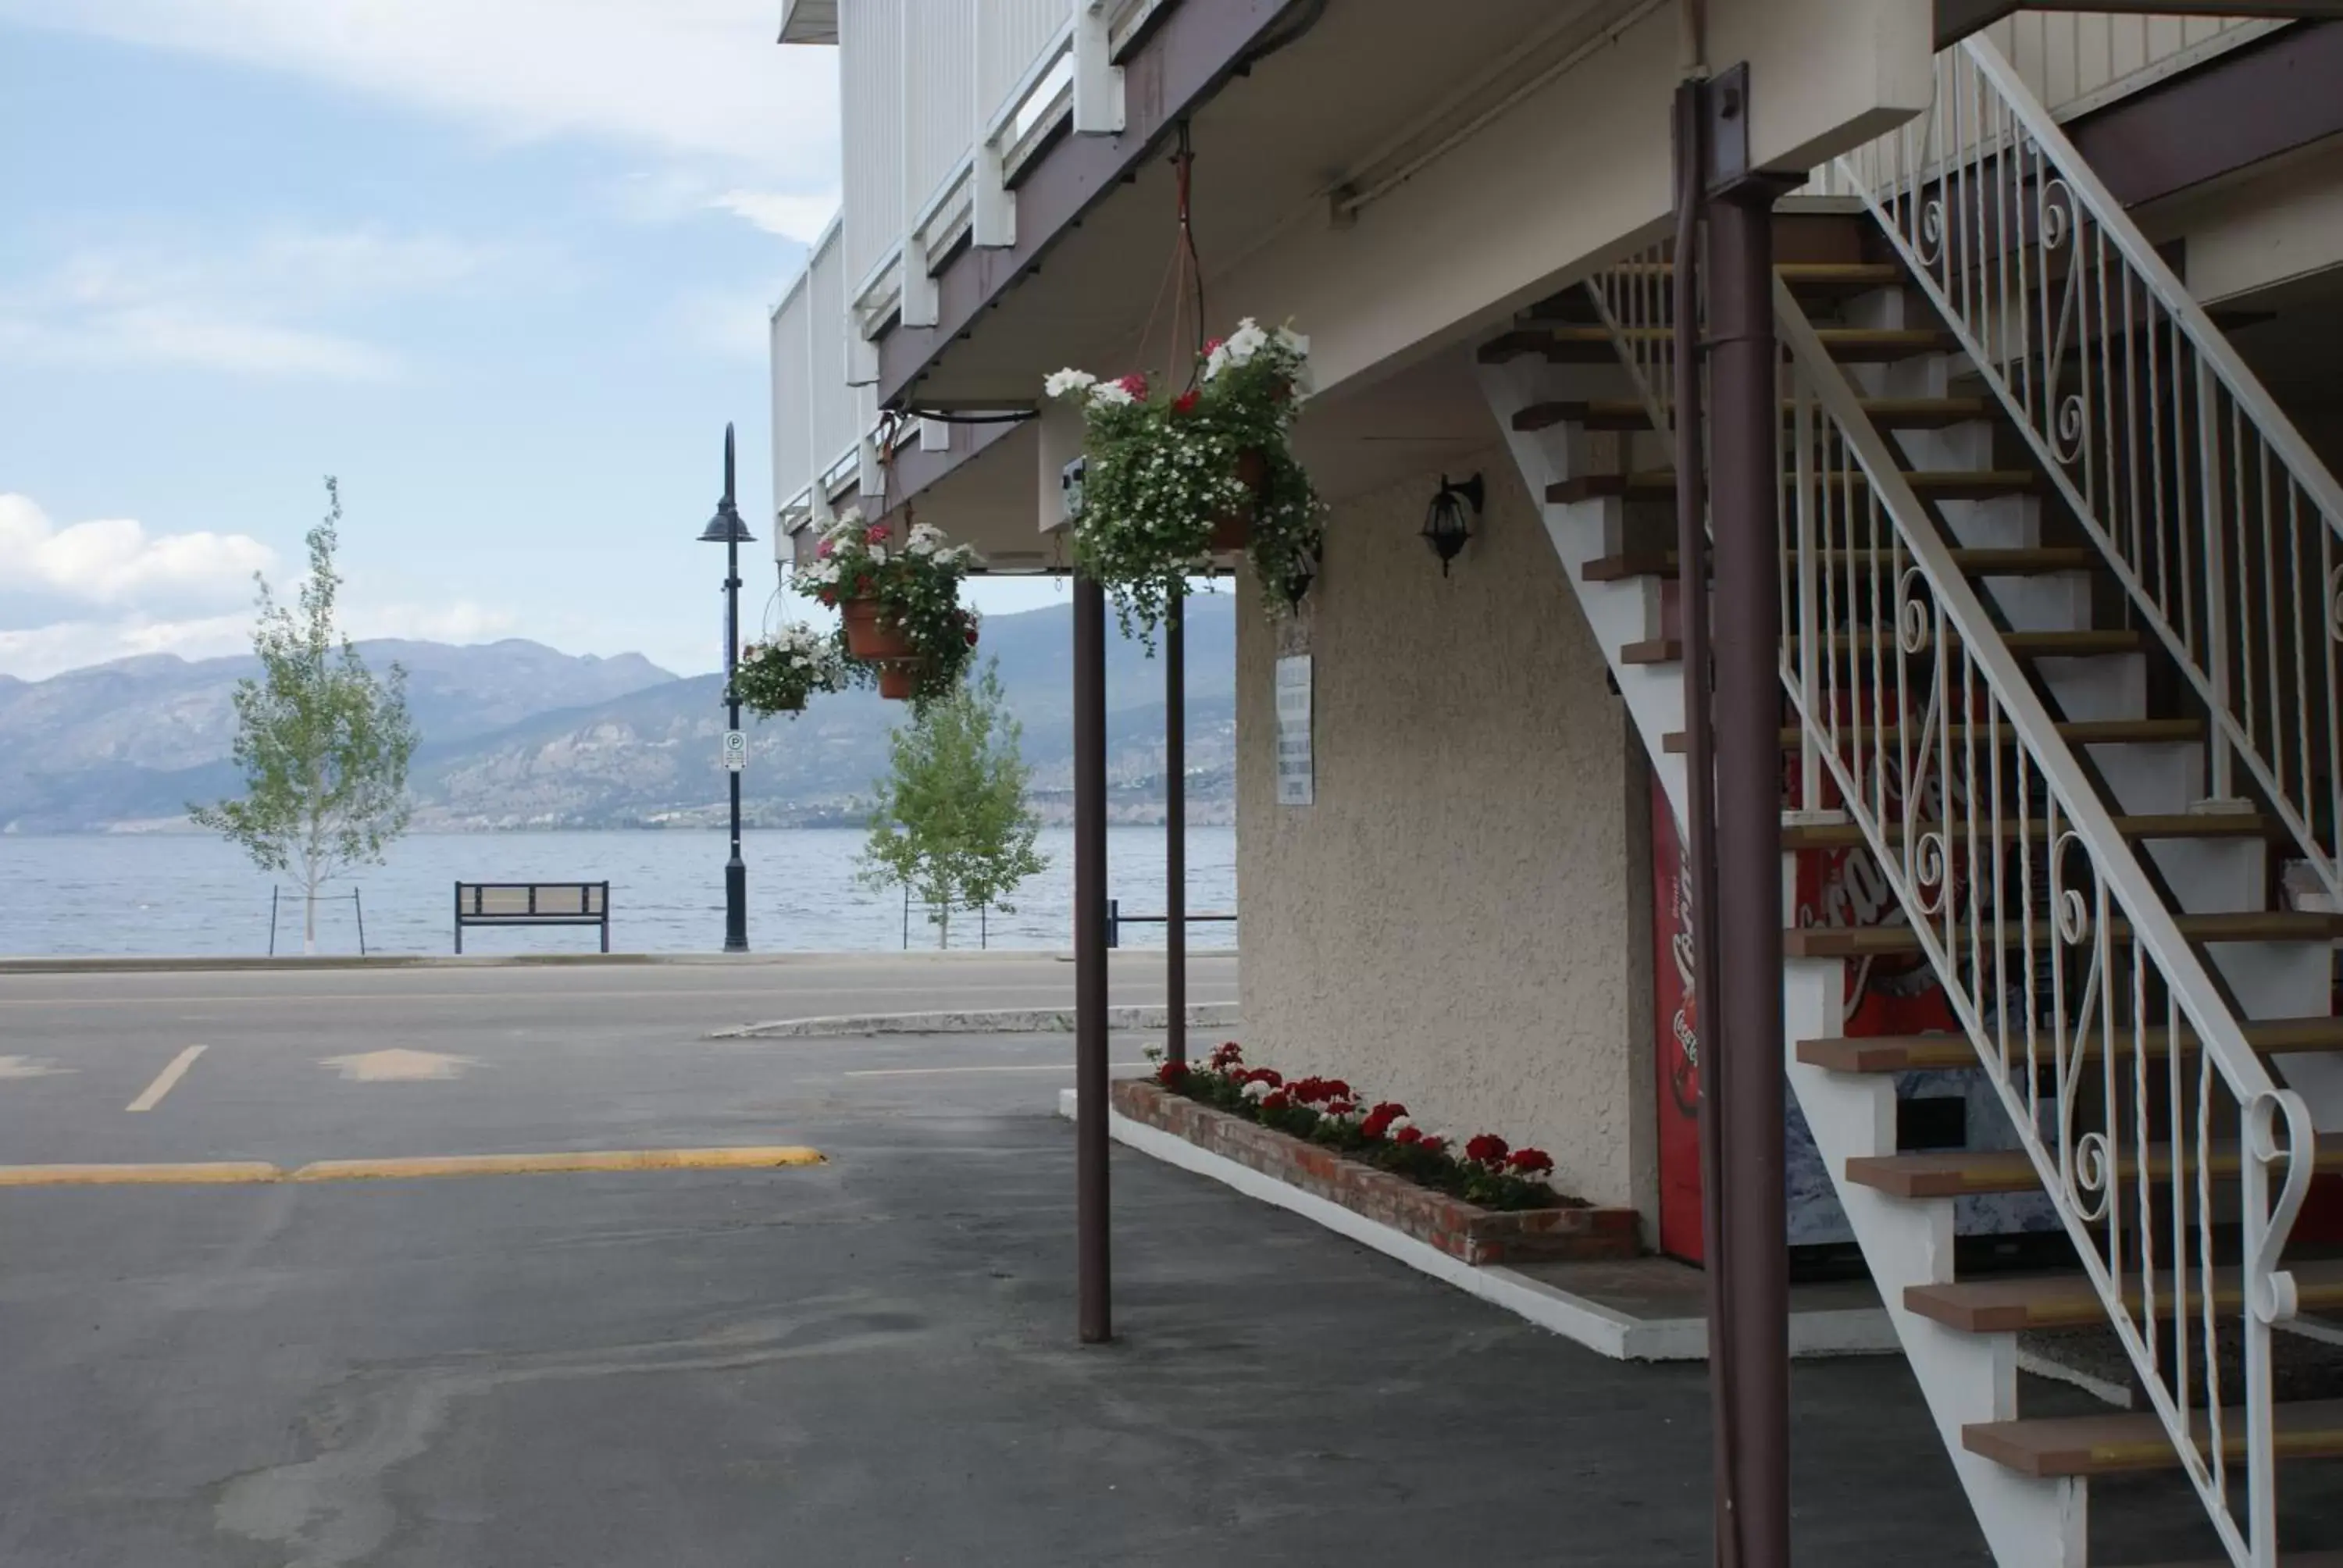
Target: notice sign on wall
{"x": 1294, "y": 771}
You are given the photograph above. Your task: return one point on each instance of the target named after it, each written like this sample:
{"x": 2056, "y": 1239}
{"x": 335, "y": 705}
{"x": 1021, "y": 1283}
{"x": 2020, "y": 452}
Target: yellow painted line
{"x": 232, "y": 1173}
{"x": 199, "y": 1173}
{"x": 929, "y": 1071}
{"x": 750, "y": 1158}
{"x": 165, "y": 1079}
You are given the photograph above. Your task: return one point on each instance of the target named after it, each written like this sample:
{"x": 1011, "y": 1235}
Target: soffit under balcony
{"x": 1364, "y": 93}
{"x": 1357, "y": 438}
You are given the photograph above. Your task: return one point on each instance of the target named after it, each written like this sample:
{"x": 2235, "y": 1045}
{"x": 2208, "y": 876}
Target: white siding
{"x": 1013, "y": 35}
{"x": 2077, "y": 60}
{"x": 871, "y": 42}
{"x": 941, "y": 94}
{"x": 792, "y": 396}
{"x": 833, "y": 408}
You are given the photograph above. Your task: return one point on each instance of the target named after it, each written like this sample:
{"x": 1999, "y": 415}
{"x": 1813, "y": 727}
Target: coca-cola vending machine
{"x": 1884, "y": 996}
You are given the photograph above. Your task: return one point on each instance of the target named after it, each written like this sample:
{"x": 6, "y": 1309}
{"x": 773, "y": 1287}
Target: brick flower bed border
{"x": 1463, "y": 1230}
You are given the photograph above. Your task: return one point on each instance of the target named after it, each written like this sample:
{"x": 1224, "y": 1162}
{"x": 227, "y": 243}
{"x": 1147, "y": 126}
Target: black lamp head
{"x": 1446, "y": 529}
{"x": 727, "y": 527}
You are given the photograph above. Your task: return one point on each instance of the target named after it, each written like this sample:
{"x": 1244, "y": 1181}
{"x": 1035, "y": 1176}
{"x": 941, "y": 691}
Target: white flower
{"x": 1256, "y": 1090}
{"x": 1398, "y": 1123}
{"x": 1293, "y": 343}
{"x": 877, "y": 554}
{"x": 1066, "y": 381}
{"x": 1109, "y": 394}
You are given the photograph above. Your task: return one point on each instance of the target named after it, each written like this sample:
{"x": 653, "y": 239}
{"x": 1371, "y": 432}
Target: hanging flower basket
{"x": 778, "y": 674}
{"x": 1169, "y": 480}
{"x": 898, "y": 597}
{"x": 870, "y": 633}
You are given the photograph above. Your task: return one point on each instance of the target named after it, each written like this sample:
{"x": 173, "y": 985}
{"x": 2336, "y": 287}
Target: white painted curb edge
{"x": 1579, "y": 1319}
{"x": 991, "y": 1020}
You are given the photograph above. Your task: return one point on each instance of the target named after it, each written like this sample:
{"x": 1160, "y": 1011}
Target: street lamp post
{"x": 726, "y": 528}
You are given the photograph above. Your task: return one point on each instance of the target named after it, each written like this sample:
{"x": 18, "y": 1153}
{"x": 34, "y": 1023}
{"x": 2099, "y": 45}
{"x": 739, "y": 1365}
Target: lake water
{"x": 190, "y": 894}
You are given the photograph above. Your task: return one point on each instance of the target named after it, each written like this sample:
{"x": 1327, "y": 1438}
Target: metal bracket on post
{"x": 1724, "y": 107}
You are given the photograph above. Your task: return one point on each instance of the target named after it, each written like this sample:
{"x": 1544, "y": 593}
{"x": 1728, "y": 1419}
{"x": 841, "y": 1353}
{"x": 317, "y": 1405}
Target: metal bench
{"x": 533, "y": 904}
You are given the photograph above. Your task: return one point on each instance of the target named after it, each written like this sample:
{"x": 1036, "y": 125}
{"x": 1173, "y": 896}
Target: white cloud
{"x": 248, "y": 309}
{"x": 789, "y": 214}
{"x": 117, "y": 562}
{"x": 695, "y": 80}
{"x": 151, "y": 594}
{"x": 35, "y": 653}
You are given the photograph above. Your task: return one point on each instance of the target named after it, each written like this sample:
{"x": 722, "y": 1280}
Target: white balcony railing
{"x": 945, "y": 103}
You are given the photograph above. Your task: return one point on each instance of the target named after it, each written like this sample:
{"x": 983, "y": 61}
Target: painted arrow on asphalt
{"x": 399, "y": 1065}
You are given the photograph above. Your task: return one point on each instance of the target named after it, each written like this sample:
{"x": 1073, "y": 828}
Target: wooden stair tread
{"x": 2082, "y": 732}
{"x": 1572, "y": 343}
{"x": 1985, "y": 563}
{"x": 2137, "y": 826}
{"x": 2014, "y": 1304}
{"x": 1944, "y": 484}
{"x": 1950, "y": 1052}
{"x": 1800, "y": 274}
{"x": 2247, "y": 925}
{"x": 2023, "y": 644}
{"x": 1961, "y": 1173}
{"x": 1629, "y": 413}
{"x": 2115, "y": 1444}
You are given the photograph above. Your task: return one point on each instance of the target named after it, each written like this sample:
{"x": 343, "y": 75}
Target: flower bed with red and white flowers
{"x": 1475, "y": 1199}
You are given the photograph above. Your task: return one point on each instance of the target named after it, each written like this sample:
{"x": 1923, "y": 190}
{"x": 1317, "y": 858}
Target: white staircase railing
{"x": 2225, "y": 527}
{"x": 2150, "y": 1123}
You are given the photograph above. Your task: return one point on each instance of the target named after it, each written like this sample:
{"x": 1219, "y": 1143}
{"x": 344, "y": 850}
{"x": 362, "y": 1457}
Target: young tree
{"x": 952, "y": 823}
{"x": 324, "y": 745}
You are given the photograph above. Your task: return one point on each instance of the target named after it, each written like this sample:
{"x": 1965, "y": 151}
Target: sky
{"x": 502, "y": 266}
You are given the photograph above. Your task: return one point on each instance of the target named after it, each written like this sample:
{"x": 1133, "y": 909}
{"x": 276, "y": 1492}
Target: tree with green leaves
{"x": 322, "y": 743}
{"x": 951, "y": 822}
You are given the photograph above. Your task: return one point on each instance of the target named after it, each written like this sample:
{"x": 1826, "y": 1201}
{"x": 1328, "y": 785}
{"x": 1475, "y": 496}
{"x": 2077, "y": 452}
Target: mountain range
{"x": 517, "y": 735}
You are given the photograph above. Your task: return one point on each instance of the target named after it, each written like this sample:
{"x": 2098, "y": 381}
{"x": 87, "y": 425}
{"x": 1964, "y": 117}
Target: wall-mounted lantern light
{"x": 1445, "y": 527}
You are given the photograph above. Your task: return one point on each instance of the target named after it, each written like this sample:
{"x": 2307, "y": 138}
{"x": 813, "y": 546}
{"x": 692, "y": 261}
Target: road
{"x": 867, "y": 1360}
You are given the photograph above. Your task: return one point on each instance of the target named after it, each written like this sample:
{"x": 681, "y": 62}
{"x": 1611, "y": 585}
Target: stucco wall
{"x": 1461, "y": 920}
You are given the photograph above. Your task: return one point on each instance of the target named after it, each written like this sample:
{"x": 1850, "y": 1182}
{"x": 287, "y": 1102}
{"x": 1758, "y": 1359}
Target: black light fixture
{"x": 727, "y": 528}
{"x": 1446, "y": 529}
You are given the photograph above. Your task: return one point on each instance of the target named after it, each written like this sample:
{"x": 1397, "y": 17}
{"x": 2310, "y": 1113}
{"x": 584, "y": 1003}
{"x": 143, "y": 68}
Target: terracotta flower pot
{"x": 868, "y": 635}
{"x": 1233, "y": 531}
{"x": 899, "y": 678}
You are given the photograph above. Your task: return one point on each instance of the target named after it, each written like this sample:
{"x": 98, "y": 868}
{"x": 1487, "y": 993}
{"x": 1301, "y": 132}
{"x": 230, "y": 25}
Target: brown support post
{"x": 1175, "y": 832}
{"x": 1096, "y": 1313}
{"x": 1700, "y": 783}
{"x": 1745, "y": 1065}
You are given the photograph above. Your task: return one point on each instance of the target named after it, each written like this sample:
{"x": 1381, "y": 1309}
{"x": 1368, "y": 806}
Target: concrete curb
{"x": 232, "y": 965}
{"x": 992, "y": 1021}
{"x": 1601, "y": 1328}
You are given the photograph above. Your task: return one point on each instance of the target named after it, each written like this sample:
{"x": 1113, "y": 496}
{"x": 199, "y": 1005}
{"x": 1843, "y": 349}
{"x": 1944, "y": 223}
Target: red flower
{"x": 1340, "y": 1107}
{"x": 1529, "y": 1161}
{"x": 825, "y": 549}
{"x": 1185, "y": 403}
{"x": 1378, "y": 1121}
{"x": 1227, "y": 1055}
{"x": 1408, "y": 1135}
{"x": 1275, "y": 1100}
{"x": 1214, "y": 347}
{"x": 1430, "y": 1144}
{"x": 827, "y": 596}
{"x": 861, "y": 588}
{"x": 1171, "y": 1073}
{"x": 1135, "y": 384}
{"x": 969, "y": 631}
{"x": 878, "y": 534}
{"x": 1486, "y": 1148}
